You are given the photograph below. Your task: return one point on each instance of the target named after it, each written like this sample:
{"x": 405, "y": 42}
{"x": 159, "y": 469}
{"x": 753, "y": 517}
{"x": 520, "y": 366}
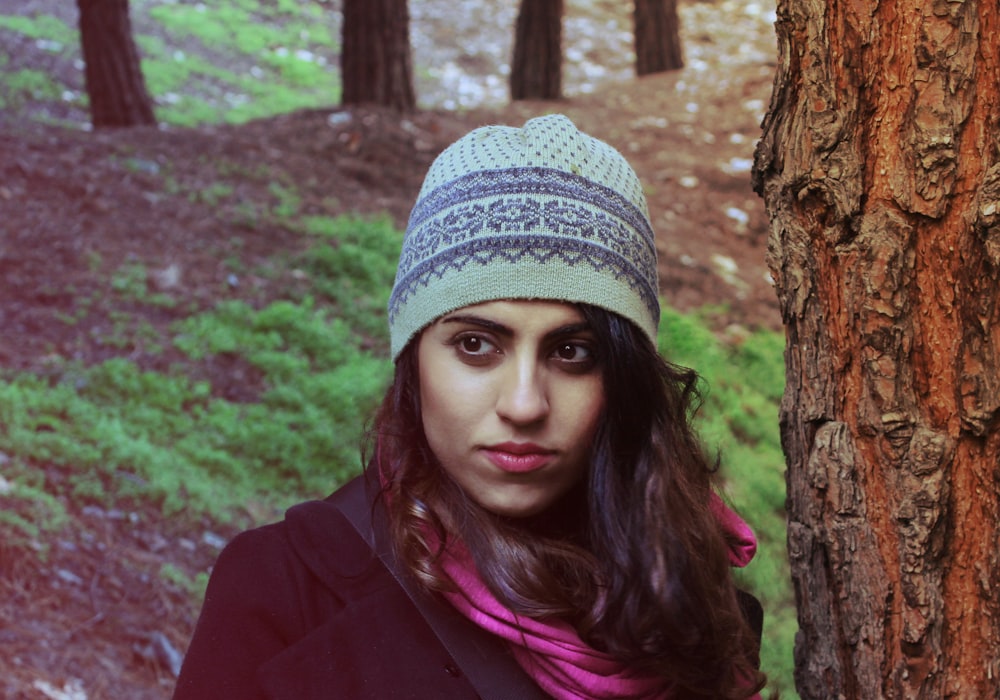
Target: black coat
{"x": 303, "y": 609}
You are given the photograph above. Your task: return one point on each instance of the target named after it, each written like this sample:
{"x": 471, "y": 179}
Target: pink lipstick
{"x": 518, "y": 457}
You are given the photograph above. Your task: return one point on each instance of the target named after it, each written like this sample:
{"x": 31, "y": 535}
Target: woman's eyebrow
{"x": 501, "y": 329}
{"x": 568, "y": 329}
{"x": 486, "y": 323}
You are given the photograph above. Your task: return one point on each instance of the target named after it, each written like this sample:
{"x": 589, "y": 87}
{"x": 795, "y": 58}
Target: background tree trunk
{"x": 879, "y": 169}
{"x": 536, "y": 68}
{"x": 376, "y": 64}
{"x": 117, "y": 91}
{"x": 657, "y": 37}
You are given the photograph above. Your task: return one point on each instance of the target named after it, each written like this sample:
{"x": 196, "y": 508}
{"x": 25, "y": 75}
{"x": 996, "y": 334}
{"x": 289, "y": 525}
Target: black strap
{"x": 483, "y": 657}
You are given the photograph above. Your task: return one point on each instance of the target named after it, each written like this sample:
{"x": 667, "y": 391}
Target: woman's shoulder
{"x": 314, "y": 539}
{"x": 294, "y": 609}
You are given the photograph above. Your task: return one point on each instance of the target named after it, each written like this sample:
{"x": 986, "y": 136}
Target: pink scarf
{"x": 551, "y": 652}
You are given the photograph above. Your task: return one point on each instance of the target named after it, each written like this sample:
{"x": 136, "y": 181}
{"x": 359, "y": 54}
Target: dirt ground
{"x": 94, "y": 618}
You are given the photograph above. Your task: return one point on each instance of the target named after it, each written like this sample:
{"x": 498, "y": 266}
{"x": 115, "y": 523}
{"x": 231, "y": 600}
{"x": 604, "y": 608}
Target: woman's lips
{"x": 518, "y": 458}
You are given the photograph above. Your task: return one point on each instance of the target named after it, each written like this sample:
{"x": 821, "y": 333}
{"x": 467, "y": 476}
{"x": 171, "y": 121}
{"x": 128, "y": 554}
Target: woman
{"x": 542, "y": 512}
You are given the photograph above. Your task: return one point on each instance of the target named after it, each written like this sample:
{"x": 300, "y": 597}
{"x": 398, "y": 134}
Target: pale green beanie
{"x": 541, "y": 212}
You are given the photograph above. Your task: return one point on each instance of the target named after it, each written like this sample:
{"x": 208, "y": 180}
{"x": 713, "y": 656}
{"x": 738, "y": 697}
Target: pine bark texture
{"x": 657, "y": 37}
{"x": 115, "y": 85}
{"x": 376, "y": 62}
{"x": 880, "y": 172}
{"x": 536, "y": 67}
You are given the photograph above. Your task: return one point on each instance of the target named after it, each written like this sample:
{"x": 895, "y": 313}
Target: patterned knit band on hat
{"x": 541, "y": 212}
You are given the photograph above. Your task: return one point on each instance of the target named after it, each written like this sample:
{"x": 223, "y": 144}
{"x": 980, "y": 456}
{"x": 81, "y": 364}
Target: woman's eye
{"x": 474, "y": 345}
{"x": 574, "y": 353}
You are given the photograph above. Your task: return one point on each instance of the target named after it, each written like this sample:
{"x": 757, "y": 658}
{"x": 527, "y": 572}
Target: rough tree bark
{"x": 376, "y": 63}
{"x": 657, "y": 37}
{"x": 117, "y": 90}
{"x": 536, "y": 67}
{"x": 880, "y": 172}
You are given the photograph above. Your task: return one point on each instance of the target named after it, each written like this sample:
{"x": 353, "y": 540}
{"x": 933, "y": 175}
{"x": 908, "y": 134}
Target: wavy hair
{"x": 633, "y": 557}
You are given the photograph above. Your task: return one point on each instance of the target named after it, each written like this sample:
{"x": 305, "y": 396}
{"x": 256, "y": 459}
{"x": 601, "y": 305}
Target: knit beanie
{"x": 541, "y": 212}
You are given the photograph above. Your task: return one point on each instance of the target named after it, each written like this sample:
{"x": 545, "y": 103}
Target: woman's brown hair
{"x": 634, "y": 558}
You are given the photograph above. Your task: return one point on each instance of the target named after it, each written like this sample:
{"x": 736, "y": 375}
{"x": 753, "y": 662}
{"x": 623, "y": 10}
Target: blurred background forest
{"x": 193, "y": 310}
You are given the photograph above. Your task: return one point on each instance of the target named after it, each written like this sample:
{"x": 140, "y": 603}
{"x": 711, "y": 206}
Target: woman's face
{"x": 511, "y": 395}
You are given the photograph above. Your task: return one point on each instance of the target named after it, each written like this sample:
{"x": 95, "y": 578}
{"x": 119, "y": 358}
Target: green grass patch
{"x": 131, "y": 282}
{"x": 45, "y": 27}
{"x": 194, "y": 586}
{"x": 348, "y": 266}
{"x": 117, "y": 432}
{"x": 29, "y": 85}
{"x": 288, "y": 201}
{"x": 125, "y": 433}
{"x": 286, "y": 48}
{"x": 27, "y": 510}
{"x": 251, "y": 59}
{"x": 248, "y": 27}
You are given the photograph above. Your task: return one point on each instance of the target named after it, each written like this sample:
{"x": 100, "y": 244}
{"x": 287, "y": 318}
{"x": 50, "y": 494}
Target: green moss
{"x": 288, "y": 46}
{"x": 194, "y": 586}
{"x": 289, "y": 51}
{"x": 29, "y": 85}
{"x": 45, "y": 27}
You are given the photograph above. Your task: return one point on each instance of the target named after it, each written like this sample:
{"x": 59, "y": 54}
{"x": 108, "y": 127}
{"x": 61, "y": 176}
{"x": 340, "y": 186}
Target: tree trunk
{"x": 376, "y": 64}
{"x": 536, "y": 68}
{"x": 657, "y": 37}
{"x": 879, "y": 170}
{"x": 117, "y": 91}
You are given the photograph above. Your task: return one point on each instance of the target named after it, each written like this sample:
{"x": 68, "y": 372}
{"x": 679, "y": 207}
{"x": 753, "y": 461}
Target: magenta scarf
{"x": 551, "y": 652}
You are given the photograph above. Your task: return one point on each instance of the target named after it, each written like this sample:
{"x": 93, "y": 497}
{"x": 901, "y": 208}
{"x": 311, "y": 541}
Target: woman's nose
{"x": 522, "y": 398}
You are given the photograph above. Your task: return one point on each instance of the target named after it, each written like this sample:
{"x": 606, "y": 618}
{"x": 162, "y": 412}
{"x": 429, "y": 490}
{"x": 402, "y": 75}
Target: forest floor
{"x": 92, "y": 618}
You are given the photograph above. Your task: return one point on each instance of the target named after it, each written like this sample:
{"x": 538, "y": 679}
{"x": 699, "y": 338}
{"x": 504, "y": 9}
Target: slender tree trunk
{"x": 657, "y": 37}
{"x": 117, "y": 91}
{"x": 376, "y": 63}
{"x": 536, "y": 68}
{"x": 880, "y": 172}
